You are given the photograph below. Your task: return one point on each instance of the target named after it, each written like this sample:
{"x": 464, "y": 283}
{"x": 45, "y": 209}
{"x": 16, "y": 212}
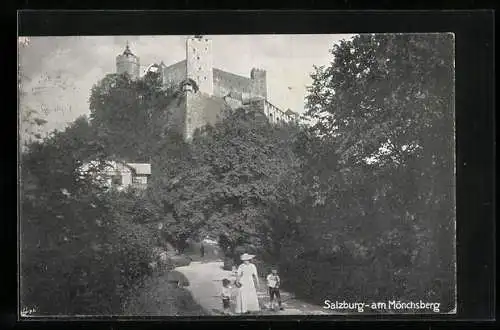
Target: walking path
{"x": 205, "y": 283}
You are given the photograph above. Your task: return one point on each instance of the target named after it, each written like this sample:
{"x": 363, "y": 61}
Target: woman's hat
{"x": 246, "y": 256}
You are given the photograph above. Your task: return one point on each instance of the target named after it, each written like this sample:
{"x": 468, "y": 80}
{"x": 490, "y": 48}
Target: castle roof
{"x": 127, "y": 51}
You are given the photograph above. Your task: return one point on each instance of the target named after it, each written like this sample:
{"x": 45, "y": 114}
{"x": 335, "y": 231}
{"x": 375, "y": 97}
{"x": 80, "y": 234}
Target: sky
{"x": 59, "y": 72}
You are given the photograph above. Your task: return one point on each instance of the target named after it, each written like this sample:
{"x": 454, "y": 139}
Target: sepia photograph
{"x": 237, "y": 175}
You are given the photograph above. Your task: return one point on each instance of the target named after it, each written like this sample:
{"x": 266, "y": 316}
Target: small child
{"x": 226, "y": 295}
{"x": 273, "y": 283}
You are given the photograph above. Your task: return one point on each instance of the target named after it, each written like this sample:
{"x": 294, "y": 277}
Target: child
{"x": 234, "y": 272}
{"x": 273, "y": 283}
{"x": 226, "y": 296}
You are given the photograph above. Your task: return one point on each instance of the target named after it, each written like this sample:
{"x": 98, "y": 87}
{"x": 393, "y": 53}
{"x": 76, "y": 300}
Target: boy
{"x": 226, "y": 296}
{"x": 273, "y": 283}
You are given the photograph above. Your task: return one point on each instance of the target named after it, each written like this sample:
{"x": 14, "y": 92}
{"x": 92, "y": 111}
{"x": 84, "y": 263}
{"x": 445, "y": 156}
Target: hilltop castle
{"x": 207, "y": 89}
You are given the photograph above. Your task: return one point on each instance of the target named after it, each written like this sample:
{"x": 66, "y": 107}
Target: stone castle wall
{"x": 225, "y": 84}
{"x": 258, "y": 83}
{"x": 198, "y": 66}
{"x": 232, "y": 85}
{"x": 272, "y": 112}
{"x": 176, "y": 116}
{"x": 199, "y": 63}
{"x": 201, "y": 110}
{"x": 276, "y": 115}
{"x": 192, "y": 111}
{"x": 217, "y": 89}
{"x": 175, "y": 73}
{"x": 129, "y": 64}
{"x": 239, "y": 87}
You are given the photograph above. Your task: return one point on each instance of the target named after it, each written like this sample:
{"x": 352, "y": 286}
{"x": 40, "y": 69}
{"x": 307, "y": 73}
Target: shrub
{"x": 263, "y": 268}
{"x": 179, "y": 261}
{"x": 379, "y": 276}
{"x": 228, "y": 263}
{"x": 164, "y": 295}
{"x": 79, "y": 257}
{"x": 241, "y": 249}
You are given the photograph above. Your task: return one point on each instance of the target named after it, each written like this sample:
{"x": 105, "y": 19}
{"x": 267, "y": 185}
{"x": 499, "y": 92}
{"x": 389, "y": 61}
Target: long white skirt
{"x": 246, "y": 298}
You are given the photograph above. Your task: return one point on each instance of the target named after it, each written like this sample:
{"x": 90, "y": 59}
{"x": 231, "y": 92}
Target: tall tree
{"x": 82, "y": 251}
{"x": 130, "y": 115}
{"x": 379, "y": 160}
{"x": 229, "y": 178}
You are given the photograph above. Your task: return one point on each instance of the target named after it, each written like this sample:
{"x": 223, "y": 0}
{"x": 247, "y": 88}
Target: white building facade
{"x": 118, "y": 175}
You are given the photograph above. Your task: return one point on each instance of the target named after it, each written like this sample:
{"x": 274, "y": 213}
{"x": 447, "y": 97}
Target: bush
{"x": 228, "y": 263}
{"x": 382, "y": 275}
{"x": 179, "y": 261}
{"x": 263, "y": 269}
{"x": 164, "y": 295}
{"x": 178, "y": 279}
{"x": 241, "y": 249}
{"x": 80, "y": 257}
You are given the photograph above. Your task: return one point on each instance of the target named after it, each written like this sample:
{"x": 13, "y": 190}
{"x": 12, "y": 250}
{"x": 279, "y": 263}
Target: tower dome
{"x": 128, "y": 63}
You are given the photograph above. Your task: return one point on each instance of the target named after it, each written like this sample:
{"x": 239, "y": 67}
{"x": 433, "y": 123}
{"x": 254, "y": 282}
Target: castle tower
{"x": 258, "y": 83}
{"x": 128, "y": 62}
{"x": 199, "y": 63}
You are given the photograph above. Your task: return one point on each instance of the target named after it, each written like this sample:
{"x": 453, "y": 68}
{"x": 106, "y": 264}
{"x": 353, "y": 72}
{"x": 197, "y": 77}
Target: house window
{"x": 139, "y": 180}
{"x": 117, "y": 180}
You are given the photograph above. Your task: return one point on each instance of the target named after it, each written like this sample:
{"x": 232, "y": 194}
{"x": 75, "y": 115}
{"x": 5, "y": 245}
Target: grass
{"x": 160, "y": 296}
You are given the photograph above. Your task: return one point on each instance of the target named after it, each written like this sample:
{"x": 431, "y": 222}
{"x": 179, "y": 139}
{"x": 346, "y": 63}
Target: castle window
{"x": 199, "y": 69}
{"x": 197, "y": 57}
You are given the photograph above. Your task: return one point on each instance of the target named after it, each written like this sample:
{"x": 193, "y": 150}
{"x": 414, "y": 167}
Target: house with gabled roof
{"x": 117, "y": 175}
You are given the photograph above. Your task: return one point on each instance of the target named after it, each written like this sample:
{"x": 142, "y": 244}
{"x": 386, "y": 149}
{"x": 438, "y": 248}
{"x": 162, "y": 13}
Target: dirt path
{"x": 205, "y": 285}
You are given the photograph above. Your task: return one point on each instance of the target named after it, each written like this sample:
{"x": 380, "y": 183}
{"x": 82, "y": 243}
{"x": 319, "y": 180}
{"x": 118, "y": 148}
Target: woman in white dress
{"x": 246, "y": 299}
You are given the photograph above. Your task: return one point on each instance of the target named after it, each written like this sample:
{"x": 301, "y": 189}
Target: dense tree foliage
{"x": 82, "y": 250}
{"x": 227, "y": 179}
{"x": 378, "y": 167}
{"x": 129, "y": 116}
{"x": 360, "y": 205}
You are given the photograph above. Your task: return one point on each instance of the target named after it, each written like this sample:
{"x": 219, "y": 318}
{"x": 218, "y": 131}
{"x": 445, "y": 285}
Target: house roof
{"x": 141, "y": 168}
